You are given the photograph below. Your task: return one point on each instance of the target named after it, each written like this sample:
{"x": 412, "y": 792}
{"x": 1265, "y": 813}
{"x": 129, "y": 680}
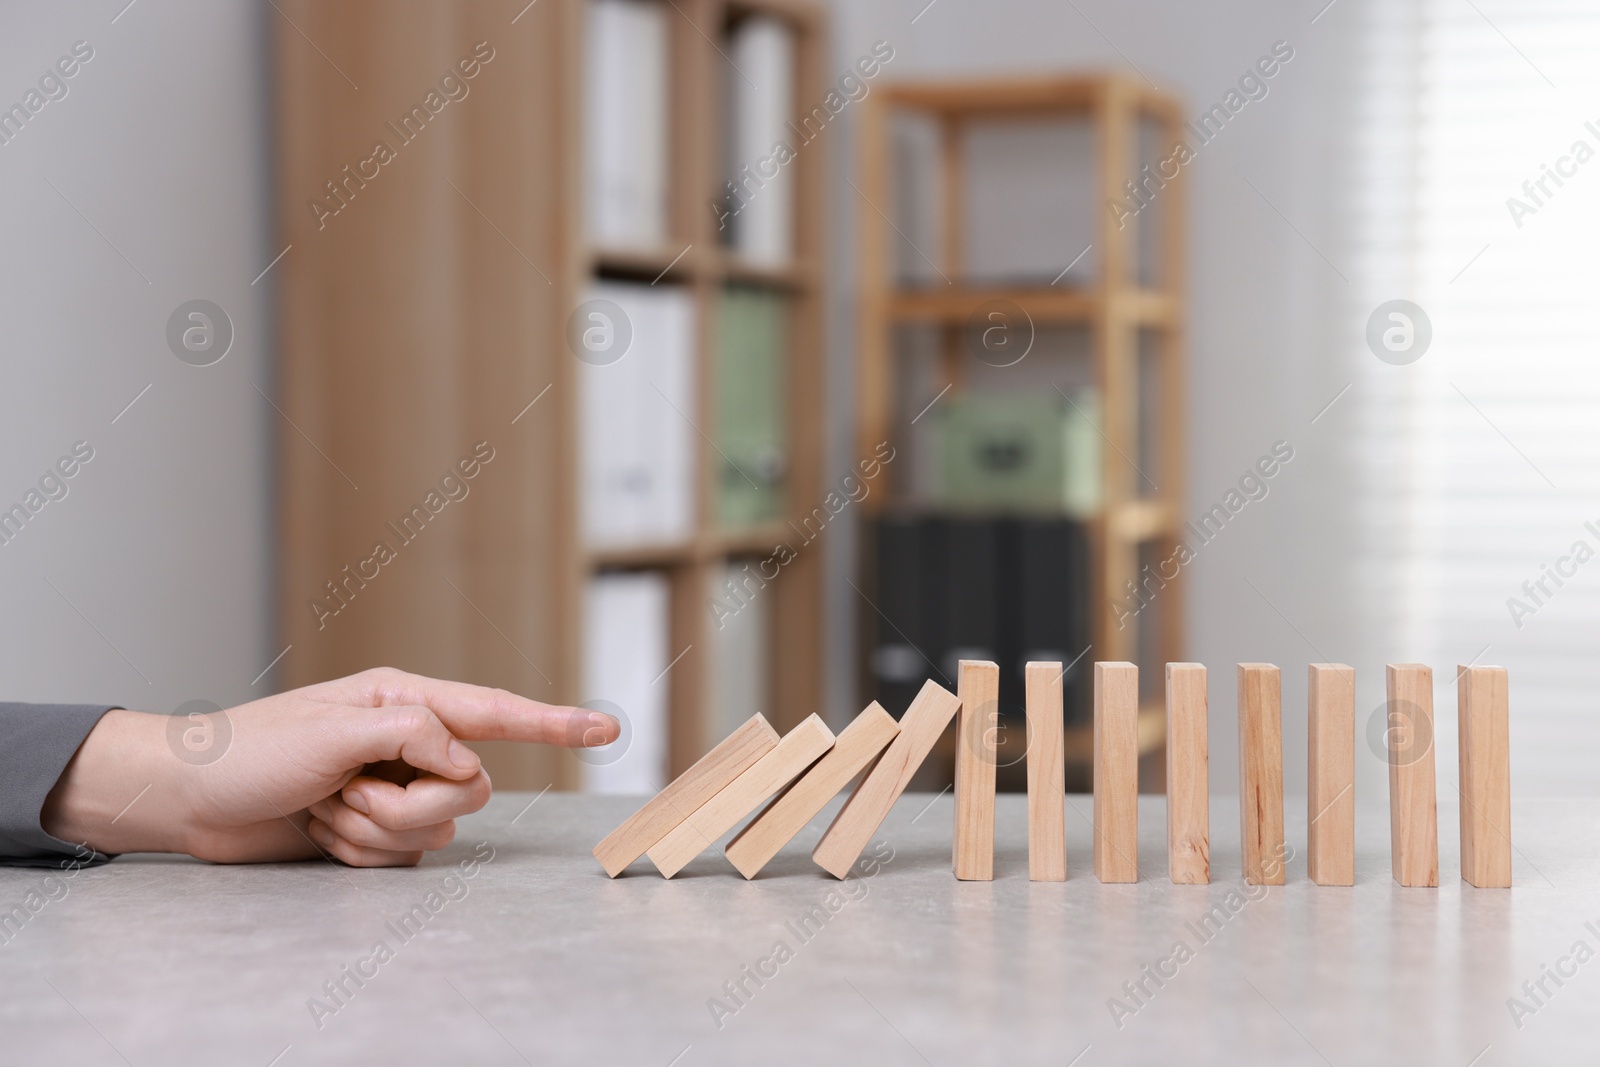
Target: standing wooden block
{"x": 856, "y": 746}
{"x": 876, "y": 793}
{"x": 1331, "y": 773}
{"x": 1261, "y": 773}
{"x": 1188, "y": 776}
{"x": 686, "y": 793}
{"x": 1413, "y": 802}
{"x": 1047, "y": 774}
{"x": 1116, "y": 772}
{"x": 978, "y": 687}
{"x": 1483, "y": 707}
{"x": 799, "y": 749}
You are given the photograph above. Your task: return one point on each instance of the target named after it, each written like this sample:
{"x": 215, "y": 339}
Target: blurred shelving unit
{"x": 435, "y": 307}
{"x": 699, "y": 69}
{"x": 1130, "y": 306}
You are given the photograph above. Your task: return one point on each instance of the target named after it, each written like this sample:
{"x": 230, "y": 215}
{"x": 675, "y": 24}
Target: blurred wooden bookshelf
{"x": 432, "y": 313}
{"x": 1116, "y": 307}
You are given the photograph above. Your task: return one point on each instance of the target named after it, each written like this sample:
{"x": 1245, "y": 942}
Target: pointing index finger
{"x": 478, "y": 713}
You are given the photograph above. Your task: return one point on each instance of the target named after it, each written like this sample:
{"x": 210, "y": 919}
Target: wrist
{"x": 123, "y": 791}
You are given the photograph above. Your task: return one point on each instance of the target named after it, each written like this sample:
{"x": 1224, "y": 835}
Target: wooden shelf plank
{"x": 1043, "y": 94}
{"x": 752, "y": 541}
{"x": 1131, "y": 522}
{"x": 805, "y": 16}
{"x": 632, "y": 556}
{"x": 954, "y": 305}
{"x": 675, "y": 264}
{"x": 1137, "y": 521}
{"x": 1146, "y": 307}
{"x": 755, "y": 540}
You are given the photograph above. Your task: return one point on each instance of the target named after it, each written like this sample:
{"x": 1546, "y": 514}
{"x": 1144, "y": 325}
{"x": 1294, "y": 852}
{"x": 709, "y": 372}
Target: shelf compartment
{"x": 791, "y": 277}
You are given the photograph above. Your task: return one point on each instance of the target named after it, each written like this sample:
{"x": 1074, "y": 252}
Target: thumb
{"x": 410, "y": 733}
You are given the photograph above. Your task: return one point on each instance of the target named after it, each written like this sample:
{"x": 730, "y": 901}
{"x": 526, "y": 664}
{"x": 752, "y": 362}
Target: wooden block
{"x": 1261, "y": 773}
{"x": 856, "y": 747}
{"x": 1331, "y": 773}
{"x": 1116, "y": 772}
{"x": 877, "y": 791}
{"x": 978, "y": 687}
{"x": 1413, "y": 802}
{"x": 686, "y": 793}
{"x": 799, "y": 749}
{"x": 1188, "y": 776}
{"x": 1047, "y": 774}
{"x": 1483, "y": 707}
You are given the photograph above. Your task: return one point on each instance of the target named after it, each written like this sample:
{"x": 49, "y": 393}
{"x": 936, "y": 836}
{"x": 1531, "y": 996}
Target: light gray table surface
{"x": 539, "y": 958}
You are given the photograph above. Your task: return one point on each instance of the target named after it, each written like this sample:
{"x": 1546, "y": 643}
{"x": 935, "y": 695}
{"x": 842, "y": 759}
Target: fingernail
{"x": 318, "y": 833}
{"x": 601, "y": 721}
{"x": 463, "y": 757}
{"x": 358, "y": 800}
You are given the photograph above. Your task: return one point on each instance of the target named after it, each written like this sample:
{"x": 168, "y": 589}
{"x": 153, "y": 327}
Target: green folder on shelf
{"x": 1023, "y": 452}
{"x": 750, "y": 426}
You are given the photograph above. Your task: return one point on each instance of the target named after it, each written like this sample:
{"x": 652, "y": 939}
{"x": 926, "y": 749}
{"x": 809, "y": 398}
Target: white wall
{"x": 1264, "y": 309}
{"x": 159, "y": 556}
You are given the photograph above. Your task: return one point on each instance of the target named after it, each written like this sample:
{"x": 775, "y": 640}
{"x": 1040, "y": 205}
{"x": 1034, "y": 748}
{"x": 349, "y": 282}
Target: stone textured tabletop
{"x": 518, "y": 949}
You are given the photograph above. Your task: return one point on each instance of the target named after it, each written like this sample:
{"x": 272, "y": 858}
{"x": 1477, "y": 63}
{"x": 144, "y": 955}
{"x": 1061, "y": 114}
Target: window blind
{"x": 1478, "y": 198}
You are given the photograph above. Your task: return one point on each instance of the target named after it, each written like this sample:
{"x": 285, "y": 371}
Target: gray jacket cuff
{"x": 37, "y": 741}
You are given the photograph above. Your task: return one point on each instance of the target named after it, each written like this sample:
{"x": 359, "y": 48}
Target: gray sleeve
{"x": 37, "y": 741}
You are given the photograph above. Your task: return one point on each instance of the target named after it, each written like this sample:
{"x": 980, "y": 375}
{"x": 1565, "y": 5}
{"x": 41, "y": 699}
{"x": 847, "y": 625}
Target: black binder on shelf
{"x": 905, "y": 613}
{"x": 970, "y": 574}
{"x": 1046, "y": 599}
{"x": 1004, "y": 589}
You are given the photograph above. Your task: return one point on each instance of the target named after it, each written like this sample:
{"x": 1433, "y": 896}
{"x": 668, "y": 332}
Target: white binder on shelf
{"x": 636, "y": 422}
{"x": 625, "y": 639}
{"x": 761, "y": 105}
{"x": 626, "y": 123}
{"x": 737, "y": 658}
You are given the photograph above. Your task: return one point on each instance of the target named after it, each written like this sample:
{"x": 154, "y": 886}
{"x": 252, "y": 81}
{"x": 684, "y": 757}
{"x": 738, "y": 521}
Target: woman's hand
{"x": 369, "y": 768}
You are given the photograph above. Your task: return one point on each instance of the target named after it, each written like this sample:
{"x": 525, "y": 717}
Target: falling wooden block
{"x": 1482, "y": 705}
{"x": 1047, "y": 774}
{"x": 1261, "y": 773}
{"x": 1331, "y": 774}
{"x": 1413, "y": 802}
{"x": 686, "y": 793}
{"x": 1116, "y": 772}
{"x": 799, "y": 749}
{"x": 978, "y": 687}
{"x": 856, "y": 746}
{"x": 1188, "y": 778}
{"x": 877, "y": 791}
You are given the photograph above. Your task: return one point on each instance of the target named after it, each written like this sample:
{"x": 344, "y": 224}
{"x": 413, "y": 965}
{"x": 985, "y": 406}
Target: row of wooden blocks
{"x": 1485, "y": 783}
{"x": 795, "y": 776}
